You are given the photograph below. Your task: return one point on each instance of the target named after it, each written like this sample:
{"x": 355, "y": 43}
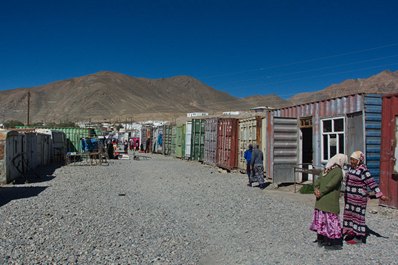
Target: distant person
{"x": 110, "y": 150}
{"x": 325, "y": 221}
{"x": 137, "y": 145}
{"x": 358, "y": 182}
{"x": 126, "y": 146}
{"x": 83, "y": 142}
{"x": 248, "y": 156}
{"x": 257, "y": 167}
{"x": 148, "y": 145}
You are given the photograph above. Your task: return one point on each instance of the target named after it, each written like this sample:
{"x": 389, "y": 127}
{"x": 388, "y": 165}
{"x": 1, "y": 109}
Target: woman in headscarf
{"x": 358, "y": 181}
{"x": 326, "y": 222}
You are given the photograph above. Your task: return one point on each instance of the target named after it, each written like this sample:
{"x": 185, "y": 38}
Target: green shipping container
{"x": 173, "y": 140}
{"x": 180, "y": 141}
{"x": 198, "y": 139}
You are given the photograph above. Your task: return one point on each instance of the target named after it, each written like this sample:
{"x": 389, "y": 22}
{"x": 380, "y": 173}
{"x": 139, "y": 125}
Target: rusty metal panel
{"x": 210, "y": 148}
{"x": 389, "y": 150}
{"x": 227, "y": 143}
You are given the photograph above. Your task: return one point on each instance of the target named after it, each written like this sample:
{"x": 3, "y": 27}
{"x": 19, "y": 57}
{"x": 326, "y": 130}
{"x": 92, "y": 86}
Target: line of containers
{"x": 288, "y": 137}
{"x": 295, "y": 135}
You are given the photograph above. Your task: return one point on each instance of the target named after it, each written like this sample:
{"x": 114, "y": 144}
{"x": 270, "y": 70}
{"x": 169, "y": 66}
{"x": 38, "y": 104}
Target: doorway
{"x": 306, "y": 146}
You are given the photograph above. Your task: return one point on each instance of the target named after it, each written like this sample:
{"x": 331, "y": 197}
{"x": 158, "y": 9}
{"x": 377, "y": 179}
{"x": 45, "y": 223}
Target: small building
{"x": 312, "y": 133}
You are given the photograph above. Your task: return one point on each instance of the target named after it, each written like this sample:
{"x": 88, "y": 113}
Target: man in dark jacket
{"x": 257, "y": 165}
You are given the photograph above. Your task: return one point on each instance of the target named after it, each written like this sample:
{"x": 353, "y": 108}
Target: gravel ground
{"x": 168, "y": 211}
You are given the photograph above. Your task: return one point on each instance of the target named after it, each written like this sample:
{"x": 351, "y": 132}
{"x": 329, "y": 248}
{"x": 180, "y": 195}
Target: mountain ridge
{"x": 107, "y": 95}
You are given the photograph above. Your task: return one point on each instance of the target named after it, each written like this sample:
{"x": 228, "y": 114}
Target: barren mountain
{"x": 109, "y": 95}
{"x": 383, "y": 83}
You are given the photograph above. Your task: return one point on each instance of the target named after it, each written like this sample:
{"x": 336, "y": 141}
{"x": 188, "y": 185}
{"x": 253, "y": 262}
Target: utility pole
{"x": 27, "y": 118}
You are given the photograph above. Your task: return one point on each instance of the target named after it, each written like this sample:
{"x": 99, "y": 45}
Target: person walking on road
{"x": 358, "y": 181}
{"x": 325, "y": 221}
{"x": 257, "y": 166}
{"x": 248, "y": 156}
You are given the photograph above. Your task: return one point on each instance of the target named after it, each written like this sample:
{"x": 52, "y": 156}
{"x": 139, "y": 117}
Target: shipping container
{"x": 146, "y": 138}
{"x": 173, "y": 140}
{"x": 167, "y": 136}
{"x": 198, "y": 139}
{"x": 389, "y": 150}
{"x": 323, "y": 128}
{"x": 188, "y": 139}
{"x": 22, "y": 152}
{"x": 180, "y": 141}
{"x": 210, "y": 146}
{"x": 249, "y": 133}
{"x": 227, "y": 143}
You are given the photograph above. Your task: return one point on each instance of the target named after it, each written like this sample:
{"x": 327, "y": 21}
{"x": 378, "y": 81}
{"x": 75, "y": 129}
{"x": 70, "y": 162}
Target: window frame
{"x": 328, "y": 134}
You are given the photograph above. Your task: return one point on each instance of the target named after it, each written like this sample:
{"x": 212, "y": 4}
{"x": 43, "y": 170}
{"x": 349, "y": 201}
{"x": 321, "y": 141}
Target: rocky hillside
{"x": 383, "y": 83}
{"x": 108, "y": 95}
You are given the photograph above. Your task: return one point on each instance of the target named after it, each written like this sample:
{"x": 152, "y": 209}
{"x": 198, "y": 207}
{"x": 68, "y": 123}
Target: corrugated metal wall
{"x": 227, "y": 143}
{"x": 180, "y": 141}
{"x": 188, "y": 138}
{"x": 372, "y": 110}
{"x": 198, "y": 139}
{"x": 173, "y": 140}
{"x": 210, "y": 147}
{"x": 389, "y": 150}
{"x": 320, "y": 110}
{"x": 249, "y": 133}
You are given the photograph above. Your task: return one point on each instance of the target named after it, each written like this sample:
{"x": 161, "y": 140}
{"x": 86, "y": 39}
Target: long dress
{"x": 358, "y": 180}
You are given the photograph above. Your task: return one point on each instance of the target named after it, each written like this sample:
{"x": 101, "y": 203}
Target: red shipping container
{"x": 227, "y": 143}
{"x": 389, "y": 150}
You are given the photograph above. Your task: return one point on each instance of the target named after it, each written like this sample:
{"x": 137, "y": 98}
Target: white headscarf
{"x": 338, "y": 159}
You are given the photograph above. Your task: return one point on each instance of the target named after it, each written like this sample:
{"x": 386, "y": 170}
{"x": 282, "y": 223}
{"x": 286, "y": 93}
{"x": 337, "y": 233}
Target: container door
{"x": 355, "y": 138}
{"x": 285, "y": 149}
{"x": 188, "y": 136}
{"x": 389, "y": 153}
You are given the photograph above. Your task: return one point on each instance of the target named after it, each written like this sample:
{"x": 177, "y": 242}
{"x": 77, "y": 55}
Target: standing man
{"x": 248, "y": 156}
{"x": 257, "y": 166}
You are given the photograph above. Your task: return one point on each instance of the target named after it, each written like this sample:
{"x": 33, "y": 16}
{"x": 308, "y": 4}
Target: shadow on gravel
{"x": 8, "y": 194}
{"x": 370, "y": 232}
{"x": 38, "y": 175}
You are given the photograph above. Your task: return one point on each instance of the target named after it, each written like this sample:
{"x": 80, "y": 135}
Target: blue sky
{"x": 240, "y": 47}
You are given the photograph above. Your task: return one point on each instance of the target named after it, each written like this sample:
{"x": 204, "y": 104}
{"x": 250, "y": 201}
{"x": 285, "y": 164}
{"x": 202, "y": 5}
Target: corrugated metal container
{"x": 167, "y": 139}
{"x": 173, "y": 140}
{"x": 360, "y": 114}
{"x": 227, "y": 143}
{"x": 146, "y": 133}
{"x": 21, "y": 152}
{"x": 188, "y": 139}
{"x": 180, "y": 141}
{"x": 210, "y": 148}
{"x": 198, "y": 139}
{"x": 389, "y": 150}
{"x": 249, "y": 133}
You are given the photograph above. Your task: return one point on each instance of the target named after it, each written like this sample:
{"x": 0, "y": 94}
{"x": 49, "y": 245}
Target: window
{"x": 332, "y": 137}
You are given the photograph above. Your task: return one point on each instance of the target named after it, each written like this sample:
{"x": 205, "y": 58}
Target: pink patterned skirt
{"x": 326, "y": 224}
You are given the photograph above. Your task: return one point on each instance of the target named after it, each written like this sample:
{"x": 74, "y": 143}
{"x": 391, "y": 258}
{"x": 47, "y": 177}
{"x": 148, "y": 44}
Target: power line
{"x": 301, "y": 62}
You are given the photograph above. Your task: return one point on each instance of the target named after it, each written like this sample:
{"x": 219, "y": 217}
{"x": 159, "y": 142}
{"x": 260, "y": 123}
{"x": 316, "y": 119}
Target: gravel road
{"x": 168, "y": 211}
